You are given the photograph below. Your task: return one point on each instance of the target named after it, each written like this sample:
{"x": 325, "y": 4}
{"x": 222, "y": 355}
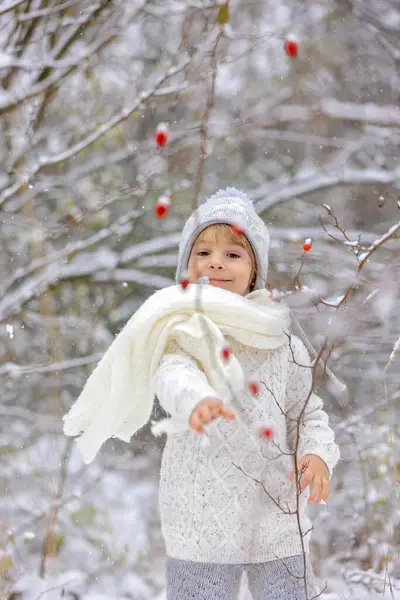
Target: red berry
{"x": 162, "y": 206}
{"x": 225, "y": 352}
{"x": 184, "y": 281}
{"x": 161, "y": 135}
{"x": 307, "y": 245}
{"x": 161, "y": 138}
{"x": 160, "y": 210}
{"x": 237, "y": 230}
{"x": 254, "y": 387}
{"x": 266, "y": 432}
{"x": 291, "y": 47}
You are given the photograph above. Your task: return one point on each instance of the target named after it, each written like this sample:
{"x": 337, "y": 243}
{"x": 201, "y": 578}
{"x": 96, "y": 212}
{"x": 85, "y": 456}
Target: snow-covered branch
{"x": 78, "y": 172}
{"x": 317, "y": 182}
{"x": 134, "y": 276}
{"x": 46, "y": 161}
{"x": 395, "y": 354}
{"x": 363, "y": 257}
{"x": 334, "y": 109}
{"x": 52, "y": 266}
{"x": 146, "y": 253}
{"x": 154, "y": 245}
{"x": 17, "y": 370}
{"x": 176, "y": 8}
{"x": 101, "y": 266}
{"x": 9, "y": 61}
{"x": 10, "y": 100}
{"x": 377, "y": 15}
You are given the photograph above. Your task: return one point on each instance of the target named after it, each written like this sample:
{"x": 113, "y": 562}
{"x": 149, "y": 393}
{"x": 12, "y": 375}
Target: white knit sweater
{"x": 118, "y": 397}
{"x": 212, "y": 509}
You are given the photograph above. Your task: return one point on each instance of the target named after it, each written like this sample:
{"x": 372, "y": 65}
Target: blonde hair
{"x": 225, "y": 231}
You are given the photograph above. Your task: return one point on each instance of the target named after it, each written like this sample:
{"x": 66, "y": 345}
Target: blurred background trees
{"x": 297, "y": 103}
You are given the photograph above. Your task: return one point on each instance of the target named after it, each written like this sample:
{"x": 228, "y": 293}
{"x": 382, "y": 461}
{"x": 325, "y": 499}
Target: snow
{"x": 153, "y": 245}
{"x": 85, "y": 263}
{"x": 384, "y": 115}
{"x": 379, "y": 241}
{"x": 132, "y": 586}
{"x": 296, "y": 135}
{"x": 334, "y": 301}
{"x": 395, "y": 351}
{"x": 134, "y": 275}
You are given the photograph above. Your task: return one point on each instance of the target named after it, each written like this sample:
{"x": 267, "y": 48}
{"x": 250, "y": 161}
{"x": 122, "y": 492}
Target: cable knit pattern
{"x": 313, "y": 431}
{"x": 181, "y": 383}
{"x": 212, "y": 509}
{"x": 117, "y": 398}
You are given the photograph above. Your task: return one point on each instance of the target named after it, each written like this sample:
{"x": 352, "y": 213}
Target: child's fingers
{"x": 206, "y": 411}
{"x": 325, "y": 490}
{"x": 196, "y": 423}
{"x": 205, "y": 414}
{"x": 306, "y": 479}
{"x": 226, "y": 413}
{"x": 315, "y": 489}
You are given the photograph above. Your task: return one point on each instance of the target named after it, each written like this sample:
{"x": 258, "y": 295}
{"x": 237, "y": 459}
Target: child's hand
{"x": 316, "y": 473}
{"x": 206, "y": 410}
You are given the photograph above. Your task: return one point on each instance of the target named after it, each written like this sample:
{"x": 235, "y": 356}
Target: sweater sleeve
{"x": 315, "y": 435}
{"x": 179, "y": 384}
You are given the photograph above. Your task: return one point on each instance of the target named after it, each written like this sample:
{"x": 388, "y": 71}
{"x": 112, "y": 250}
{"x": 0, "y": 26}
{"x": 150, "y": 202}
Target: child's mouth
{"x": 220, "y": 280}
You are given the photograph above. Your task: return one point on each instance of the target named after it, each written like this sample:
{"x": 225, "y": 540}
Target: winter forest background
{"x": 84, "y": 85}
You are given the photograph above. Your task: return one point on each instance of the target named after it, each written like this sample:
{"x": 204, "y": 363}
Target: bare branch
{"x": 11, "y": 6}
{"x": 205, "y": 122}
{"x": 45, "y": 12}
{"x": 362, "y": 257}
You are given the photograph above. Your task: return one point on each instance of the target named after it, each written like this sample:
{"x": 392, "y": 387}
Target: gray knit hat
{"x": 234, "y": 207}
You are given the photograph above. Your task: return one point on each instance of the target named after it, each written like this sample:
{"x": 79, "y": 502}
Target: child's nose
{"x": 216, "y": 262}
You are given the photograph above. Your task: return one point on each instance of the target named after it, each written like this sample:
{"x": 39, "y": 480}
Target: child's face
{"x": 227, "y": 264}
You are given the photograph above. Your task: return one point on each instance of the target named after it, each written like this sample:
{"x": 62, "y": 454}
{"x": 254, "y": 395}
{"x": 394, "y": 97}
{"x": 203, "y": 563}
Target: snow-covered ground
{"x": 111, "y": 545}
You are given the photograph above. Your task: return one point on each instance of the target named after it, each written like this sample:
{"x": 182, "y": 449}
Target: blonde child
{"x": 232, "y": 505}
{"x": 248, "y": 443}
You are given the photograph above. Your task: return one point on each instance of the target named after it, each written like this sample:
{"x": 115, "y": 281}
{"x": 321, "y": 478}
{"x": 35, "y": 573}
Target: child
{"x": 231, "y": 505}
{"x": 237, "y": 386}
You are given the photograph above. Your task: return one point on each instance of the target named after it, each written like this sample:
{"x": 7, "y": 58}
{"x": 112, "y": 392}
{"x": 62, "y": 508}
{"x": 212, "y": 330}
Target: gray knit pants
{"x": 273, "y": 580}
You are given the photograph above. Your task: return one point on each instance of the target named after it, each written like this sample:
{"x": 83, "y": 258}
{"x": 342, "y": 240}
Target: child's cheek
{"x": 191, "y": 270}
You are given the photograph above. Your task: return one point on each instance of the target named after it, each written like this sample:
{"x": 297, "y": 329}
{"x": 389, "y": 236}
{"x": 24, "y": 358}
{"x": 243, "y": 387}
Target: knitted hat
{"x": 234, "y": 207}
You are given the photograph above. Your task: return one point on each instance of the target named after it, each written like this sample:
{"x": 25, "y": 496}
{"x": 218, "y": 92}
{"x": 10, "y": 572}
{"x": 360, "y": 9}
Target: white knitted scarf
{"x": 117, "y": 399}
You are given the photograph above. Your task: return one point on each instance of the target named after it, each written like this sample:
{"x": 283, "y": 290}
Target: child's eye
{"x": 234, "y": 254}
